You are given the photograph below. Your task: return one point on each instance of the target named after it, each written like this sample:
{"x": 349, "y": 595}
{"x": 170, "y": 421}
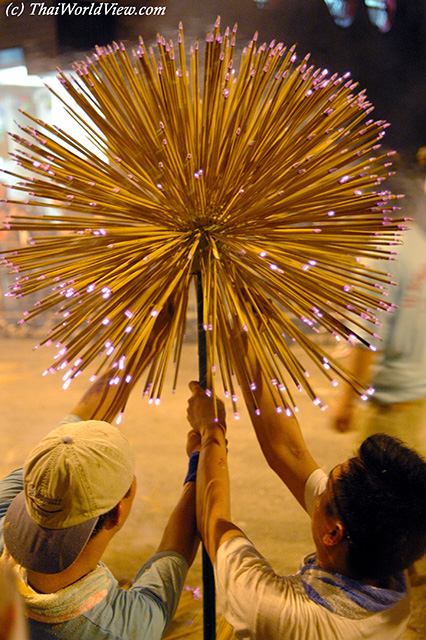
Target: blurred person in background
{"x": 397, "y": 370}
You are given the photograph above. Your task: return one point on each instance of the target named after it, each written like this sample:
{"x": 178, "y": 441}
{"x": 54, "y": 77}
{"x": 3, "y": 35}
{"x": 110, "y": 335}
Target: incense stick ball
{"x": 263, "y": 176}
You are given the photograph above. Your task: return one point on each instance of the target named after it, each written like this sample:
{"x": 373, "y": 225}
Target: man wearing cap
{"x": 59, "y": 514}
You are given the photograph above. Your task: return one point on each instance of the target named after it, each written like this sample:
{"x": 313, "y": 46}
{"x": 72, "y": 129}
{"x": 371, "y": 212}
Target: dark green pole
{"x": 209, "y": 595}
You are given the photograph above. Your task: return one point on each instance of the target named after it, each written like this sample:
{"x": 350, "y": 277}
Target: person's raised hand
{"x": 203, "y": 411}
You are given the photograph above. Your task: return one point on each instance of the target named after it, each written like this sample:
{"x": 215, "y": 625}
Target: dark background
{"x": 391, "y": 66}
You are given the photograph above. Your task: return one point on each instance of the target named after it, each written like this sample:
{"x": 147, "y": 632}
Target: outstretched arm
{"x": 213, "y": 490}
{"x": 180, "y": 533}
{"x": 279, "y": 435}
{"x": 98, "y": 403}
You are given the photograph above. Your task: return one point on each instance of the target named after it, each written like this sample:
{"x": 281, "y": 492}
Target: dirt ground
{"x": 262, "y": 506}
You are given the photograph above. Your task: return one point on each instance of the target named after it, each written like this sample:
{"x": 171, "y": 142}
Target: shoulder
{"x": 239, "y": 566}
{"x": 256, "y": 600}
{"x": 159, "y": 583}
{"x": 10, "y": 487}
{"x": 143, "y": 611}
{"x": 315, "y": 485}
{"x": 168, "y": 567}
{"x": 11, "y": 484}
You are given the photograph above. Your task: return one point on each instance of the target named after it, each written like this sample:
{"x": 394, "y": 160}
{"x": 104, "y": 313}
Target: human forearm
{"x": 213, "y": 492}
{"x": 213, "y": 488}
{"x": 96, "y": 402}
{"x": 279, "y": 434}
{"x": 180, "y": 533}
{"x": 103, "y": 401}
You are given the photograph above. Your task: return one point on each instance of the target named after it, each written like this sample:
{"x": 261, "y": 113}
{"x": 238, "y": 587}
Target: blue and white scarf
{"x": 348, "y": 597}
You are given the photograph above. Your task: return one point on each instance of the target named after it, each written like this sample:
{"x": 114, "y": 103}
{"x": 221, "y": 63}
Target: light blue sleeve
{"x": 10, "y": 486}
{"x": 143, "y": 611}
{"x": 163, "y": 578}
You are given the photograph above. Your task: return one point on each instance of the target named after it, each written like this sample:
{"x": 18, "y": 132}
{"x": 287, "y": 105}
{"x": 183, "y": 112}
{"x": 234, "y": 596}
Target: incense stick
{"x": 266, "y": 177}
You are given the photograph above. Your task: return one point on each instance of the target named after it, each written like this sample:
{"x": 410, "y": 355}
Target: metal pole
{"x": 209, "y": 594}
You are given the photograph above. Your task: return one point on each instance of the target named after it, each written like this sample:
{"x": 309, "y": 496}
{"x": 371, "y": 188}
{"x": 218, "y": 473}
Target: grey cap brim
{"x": 40, "y": 549}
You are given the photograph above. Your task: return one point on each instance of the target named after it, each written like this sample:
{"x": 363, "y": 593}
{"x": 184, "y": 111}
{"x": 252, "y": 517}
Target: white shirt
{"x": 262, "y": 605}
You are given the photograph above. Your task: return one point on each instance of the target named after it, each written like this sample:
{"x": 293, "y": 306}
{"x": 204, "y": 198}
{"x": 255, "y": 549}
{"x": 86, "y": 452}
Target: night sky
{"x": 390, "y": 66}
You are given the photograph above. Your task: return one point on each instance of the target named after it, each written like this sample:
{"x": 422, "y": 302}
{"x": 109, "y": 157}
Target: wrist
{"x": 213, "y": 434}
{"x": 209, "y": 428}
{"x": 191, "y": 475}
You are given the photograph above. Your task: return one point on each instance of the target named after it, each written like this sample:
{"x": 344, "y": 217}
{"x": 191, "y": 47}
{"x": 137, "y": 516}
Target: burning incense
{"x": 265, "y": 179}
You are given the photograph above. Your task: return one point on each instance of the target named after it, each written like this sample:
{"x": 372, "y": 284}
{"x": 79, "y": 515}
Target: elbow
{"x": 289, "y": 456}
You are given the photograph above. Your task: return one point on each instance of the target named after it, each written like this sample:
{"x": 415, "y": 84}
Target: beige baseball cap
{"x": 78, "y": 472}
